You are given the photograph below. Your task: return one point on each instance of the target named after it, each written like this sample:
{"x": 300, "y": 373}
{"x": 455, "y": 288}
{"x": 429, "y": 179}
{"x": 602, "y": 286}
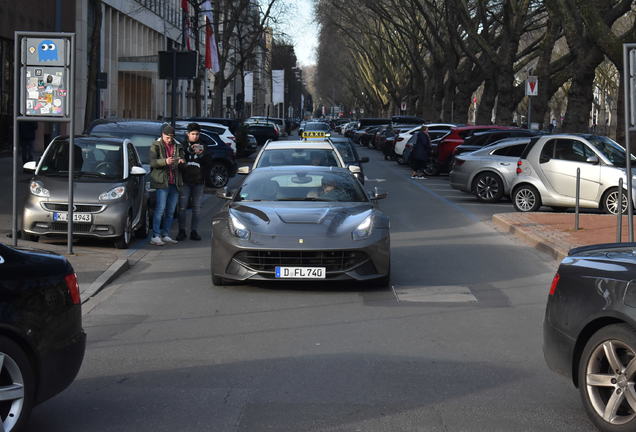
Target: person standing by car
{"x": 165, "y": 156}
{"x": 197, "y": 161}
{"x": 421, "y": 152}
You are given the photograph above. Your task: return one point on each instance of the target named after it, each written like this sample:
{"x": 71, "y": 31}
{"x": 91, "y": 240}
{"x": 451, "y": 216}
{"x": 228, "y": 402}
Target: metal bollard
{"x": 578, "y": 193}
{"x": 619, "y": 227}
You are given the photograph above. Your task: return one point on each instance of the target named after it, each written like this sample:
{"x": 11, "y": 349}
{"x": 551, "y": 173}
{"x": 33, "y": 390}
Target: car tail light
{"x": 519, "y": 170}
{"x": 555, "y": 283}
{"x": 399, "y": 139}
{"x": 275, "y": 132}
{"x": 73, "y": 287}
{"x": 233, "y": 138}
{"x": 459, "y": 162}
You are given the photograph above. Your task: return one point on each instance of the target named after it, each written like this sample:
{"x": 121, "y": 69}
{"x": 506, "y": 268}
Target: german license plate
{"x": 77, "y": 217}
{"x": 300, "y": 272}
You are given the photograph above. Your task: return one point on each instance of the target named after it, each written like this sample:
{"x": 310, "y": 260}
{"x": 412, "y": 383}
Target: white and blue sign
{"x": 45, "y": 52}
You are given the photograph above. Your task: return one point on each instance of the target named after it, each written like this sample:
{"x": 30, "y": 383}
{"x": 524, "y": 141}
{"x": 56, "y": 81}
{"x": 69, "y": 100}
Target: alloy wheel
{"x": 525, "y": 199}
{"x": 611, "y": 202}
{"x": 218, "y": 175}
{"x": 609, "y": 381}
{"x": 487, "y": 188}
{"x": 12, "y": 392}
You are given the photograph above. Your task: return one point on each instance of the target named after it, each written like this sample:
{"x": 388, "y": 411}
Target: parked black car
{"x": 143, "y": 133}
{"x": 263, "y": 131}
{"x": 42, "y": 342}
{"x": 350, "y": 155}
{"x": 481, "y": 139}
{"x": 589, "y": 331}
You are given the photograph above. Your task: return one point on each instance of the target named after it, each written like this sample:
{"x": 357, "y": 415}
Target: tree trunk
{"x": 93, "y": 66}
{"x": 581, "y": 94}
{"x": 219, "y": 88}
{"x": 487, "y": 103}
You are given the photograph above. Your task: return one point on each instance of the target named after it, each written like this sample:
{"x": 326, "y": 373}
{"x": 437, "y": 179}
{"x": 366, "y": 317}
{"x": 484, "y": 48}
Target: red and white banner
{"x": 211, "y": 48}
{"x": 185, "y": 24}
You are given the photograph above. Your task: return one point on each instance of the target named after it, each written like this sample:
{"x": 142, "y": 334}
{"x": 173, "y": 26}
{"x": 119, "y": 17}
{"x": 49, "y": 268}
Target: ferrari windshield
{"x": 299, "y": 185}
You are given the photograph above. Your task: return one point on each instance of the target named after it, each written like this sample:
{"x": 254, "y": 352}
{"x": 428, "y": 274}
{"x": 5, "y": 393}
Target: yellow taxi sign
{"x": 315, "y": 134}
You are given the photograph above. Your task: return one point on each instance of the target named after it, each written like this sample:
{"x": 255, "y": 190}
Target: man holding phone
{"x": 166, "y": 154}
{"x": 197, "y": 161}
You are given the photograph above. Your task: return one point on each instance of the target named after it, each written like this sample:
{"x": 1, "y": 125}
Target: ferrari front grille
{"x": 333, "y": 261}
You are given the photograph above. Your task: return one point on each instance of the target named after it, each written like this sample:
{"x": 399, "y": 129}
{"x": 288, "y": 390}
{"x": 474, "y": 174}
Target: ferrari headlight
{"x": 113, "y": 194}
{"x": 237, "y": 228}
{"x": 38, "y": 189}
{"x": 364, "y": 229}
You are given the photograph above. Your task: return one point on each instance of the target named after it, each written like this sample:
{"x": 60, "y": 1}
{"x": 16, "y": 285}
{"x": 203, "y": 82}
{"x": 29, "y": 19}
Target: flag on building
{"x": 186, "y": 24}
{"x": 211, "y": 48}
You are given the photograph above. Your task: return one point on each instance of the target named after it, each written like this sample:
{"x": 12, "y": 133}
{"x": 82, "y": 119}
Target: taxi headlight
{"x": 364, "y": 229}
{"x": 113, "y": 194}
{"x": 38, "y": 189}
{"x": 237, "y": 228}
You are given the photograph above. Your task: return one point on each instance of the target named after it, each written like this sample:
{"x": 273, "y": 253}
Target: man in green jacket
{"x": 165, "y": 156}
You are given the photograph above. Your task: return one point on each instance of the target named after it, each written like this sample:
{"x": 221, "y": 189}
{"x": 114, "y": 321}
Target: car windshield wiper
{"x": 303, "y": 199}
{"x": 92, "y": 174}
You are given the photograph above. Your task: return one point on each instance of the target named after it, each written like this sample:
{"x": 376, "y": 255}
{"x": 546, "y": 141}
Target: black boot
{"x": 182, "y": 235}
{"x": 195, "y": 236}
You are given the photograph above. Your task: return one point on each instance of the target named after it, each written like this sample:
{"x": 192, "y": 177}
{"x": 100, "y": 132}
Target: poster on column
{"x": 278, "y": 86}
{"x": 249, "y": 87}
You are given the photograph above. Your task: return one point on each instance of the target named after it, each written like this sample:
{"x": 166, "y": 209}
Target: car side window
{"x": 569, "y": 150}
{"x": 547, "y": 153}
{"x": 132, "y": 157}
{"x": 516, "y": 150}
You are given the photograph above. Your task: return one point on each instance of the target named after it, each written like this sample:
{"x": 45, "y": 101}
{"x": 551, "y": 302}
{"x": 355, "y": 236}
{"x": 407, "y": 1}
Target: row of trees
{"x": 437, "y": 55}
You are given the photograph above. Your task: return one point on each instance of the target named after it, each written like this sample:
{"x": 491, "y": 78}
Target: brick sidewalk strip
{"x": 554, "y": 233}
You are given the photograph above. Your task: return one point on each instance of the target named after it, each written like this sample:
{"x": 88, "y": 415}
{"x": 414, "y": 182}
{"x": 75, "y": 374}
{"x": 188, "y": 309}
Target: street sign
{"x": 44, "y": 76}
{"x": 185, "y": 65}
{"x": 532, "y": 86}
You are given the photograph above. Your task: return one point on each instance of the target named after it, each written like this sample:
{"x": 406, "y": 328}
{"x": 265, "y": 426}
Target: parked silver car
{"x": 489, "y": 172}
{"x": 109, "y": 193}
{"x": 546, "y": 173}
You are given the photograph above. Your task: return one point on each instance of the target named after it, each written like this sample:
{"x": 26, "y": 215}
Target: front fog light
{"x": 364, "y": 229}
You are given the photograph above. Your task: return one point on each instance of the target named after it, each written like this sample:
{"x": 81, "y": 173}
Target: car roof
{"x": 91, "y": 139}
{"x": 282, "y": 145}
{"x": 478, "y": 127}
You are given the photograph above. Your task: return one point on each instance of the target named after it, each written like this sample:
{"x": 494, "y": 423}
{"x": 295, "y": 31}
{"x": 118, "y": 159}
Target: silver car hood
{"x": 270, "y": 220}
{"x": 83, "y": 191}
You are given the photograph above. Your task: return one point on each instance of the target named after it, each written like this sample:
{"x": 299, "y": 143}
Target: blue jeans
{"x": 187, "y": 190}
{"x": 164, "y": 208}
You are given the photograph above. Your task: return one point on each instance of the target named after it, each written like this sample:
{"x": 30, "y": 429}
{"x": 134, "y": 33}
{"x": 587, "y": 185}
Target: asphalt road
{"x": 453, "y": 345}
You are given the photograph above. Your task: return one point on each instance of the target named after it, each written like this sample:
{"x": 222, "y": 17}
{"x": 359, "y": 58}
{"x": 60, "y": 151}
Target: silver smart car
{"x": 109, "y": 194}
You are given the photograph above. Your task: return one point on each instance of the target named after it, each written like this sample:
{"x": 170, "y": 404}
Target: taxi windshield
{"x": 91, "y": 159}
{"x": 316, "y": 126}
{"x": 301, "y": 186}
{"x": 281, "y": 157}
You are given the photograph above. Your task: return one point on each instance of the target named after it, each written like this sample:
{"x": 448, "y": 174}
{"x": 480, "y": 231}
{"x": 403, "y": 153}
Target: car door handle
{"x": 504, "y": 163}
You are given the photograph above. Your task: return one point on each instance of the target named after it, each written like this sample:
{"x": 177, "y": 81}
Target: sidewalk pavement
{"x": 554, "y": 233}
{"x": 96, "y": 262}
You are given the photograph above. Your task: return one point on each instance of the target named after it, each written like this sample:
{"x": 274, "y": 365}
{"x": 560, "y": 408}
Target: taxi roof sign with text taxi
{"x": 315, "y": 134}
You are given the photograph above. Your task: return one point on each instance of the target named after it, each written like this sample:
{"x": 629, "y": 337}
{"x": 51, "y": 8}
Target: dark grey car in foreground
{"x": 589, "y": 331}
{"x": 282, "y": 225}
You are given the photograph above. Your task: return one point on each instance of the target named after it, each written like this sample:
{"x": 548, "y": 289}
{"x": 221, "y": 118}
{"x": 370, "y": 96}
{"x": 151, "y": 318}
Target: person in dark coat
{"x": 197, "y": 163}
{"x": 27, "y": 138}
{"x": 421, "y": 152}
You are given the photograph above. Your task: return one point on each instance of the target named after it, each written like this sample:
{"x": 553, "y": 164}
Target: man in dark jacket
{"x": 421, "y": 152}
{"x": 166, "y": 155}
{"x": 197, "y": 162}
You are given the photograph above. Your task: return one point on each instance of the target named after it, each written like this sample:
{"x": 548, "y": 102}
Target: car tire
{"x": 29, "y": 237}
{"x": 219, "y": 175}
{"x": 399, "y": 160}
{"x": 526, "y": 198}
{"x": 488, "y": 187}
{"x": 601, "y": 386}
{"x": 144, "y": 226}
{"x": 124, "y": 240}
{"x": 17, "y": 371}
{"x": 609, "y": 202}
{"x": 431, "y": 168}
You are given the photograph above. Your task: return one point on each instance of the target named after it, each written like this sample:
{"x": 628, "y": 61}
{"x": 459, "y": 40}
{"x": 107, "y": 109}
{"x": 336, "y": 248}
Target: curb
{"x": 116, "y": 269}
{"x": 530, "y": 236}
